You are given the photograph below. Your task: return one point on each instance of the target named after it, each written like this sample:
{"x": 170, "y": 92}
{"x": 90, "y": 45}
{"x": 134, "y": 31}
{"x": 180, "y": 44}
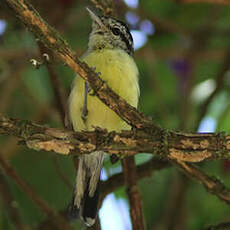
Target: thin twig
{"x": 11, "y": 205}
{"x": 212, "y": 184}
{"x": 175, "y": 220}
{"x": 60, "y": 98}
{"x": 221, "y": 226}
{"x": 135, "y": 203}
{"x": 221, "y": 2}
{"x": 105, "y": 6}
{"x": 58, "y": 220}
{"x": 48, "y": 224}
{"x": 219, "y": 85}
{"x": 200, "y": 41}
{"x": 161, "y": 24}
{"x": 143, "y": 170}
{"x": 117, "y": 180}
{"x": 62, "y": 174}
{"x": 10, "y": 85}
{"x": 58, "y": 89}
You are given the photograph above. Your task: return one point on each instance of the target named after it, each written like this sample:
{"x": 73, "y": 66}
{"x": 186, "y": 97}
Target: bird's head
{"x": 110, "y": 33}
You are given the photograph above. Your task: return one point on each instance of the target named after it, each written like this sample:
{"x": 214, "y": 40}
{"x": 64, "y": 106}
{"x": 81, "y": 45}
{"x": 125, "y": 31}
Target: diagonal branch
{"x": 143, "y": 170}
{"x": 222, "y": 226}
{"x": 219, "y": 86}
{"x": 212, "y": 184}
{"x": 58, "y": 89}
{"x": 106, "y": 6}
{"x": 8, "y": 201}
{"x": 52, "y": 40}
{"x": 58, "y": 221}
{"x": 117, "y": 180}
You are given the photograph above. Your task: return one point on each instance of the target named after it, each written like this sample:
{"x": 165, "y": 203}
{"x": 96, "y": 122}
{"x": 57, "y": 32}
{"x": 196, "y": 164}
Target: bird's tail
{"x": 87, "y": 186}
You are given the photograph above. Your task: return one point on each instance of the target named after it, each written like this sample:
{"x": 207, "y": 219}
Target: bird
{"x": 110, "y": 53}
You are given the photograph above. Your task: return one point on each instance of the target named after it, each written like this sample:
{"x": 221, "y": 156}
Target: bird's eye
{"x": 116, "y": 31}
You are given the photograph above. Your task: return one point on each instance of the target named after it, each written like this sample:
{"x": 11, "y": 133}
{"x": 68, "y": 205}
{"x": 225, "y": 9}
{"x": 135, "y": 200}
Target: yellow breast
{"x": 119, "y": 70}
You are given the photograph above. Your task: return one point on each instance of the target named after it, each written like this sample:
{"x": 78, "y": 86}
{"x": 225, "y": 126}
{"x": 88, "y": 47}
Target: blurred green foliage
{"x": 27, "y": 93}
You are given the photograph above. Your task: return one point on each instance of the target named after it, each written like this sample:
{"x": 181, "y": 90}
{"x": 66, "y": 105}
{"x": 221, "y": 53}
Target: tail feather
{"x": 89, "y": 207}
{"x": 87, "y": 186}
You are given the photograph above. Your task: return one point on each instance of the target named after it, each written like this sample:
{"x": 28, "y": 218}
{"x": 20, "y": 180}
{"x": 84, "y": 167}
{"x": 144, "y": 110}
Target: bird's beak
{"x": 95, "y": 18}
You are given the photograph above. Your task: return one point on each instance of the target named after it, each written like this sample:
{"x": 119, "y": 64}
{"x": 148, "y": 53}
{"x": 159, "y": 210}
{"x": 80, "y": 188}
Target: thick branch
{"x": 181, "y": 146}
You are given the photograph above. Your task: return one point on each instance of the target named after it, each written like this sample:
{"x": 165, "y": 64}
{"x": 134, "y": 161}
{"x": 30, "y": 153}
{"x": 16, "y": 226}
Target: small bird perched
{"x": 110, "y": 51}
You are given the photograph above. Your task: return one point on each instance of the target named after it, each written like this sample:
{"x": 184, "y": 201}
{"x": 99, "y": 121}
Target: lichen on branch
{"x": 184, "y": 147}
